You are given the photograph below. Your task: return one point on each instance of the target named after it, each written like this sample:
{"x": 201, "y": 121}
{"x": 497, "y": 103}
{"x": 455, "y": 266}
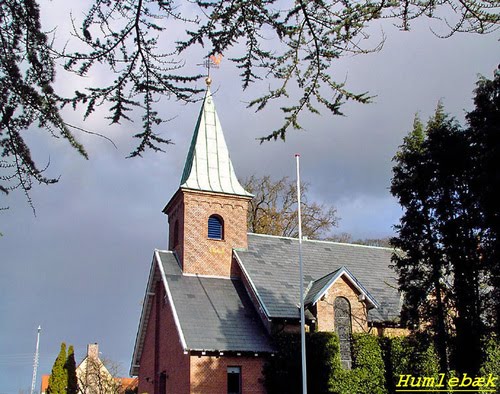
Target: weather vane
{"x": 213, "y": 61}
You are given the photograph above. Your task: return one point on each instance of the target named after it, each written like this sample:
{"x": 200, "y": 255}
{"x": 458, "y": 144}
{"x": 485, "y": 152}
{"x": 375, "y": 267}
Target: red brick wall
{"x": 325, "y": 312}
{"x": 198, "y": 253}
{"x": 209, "y": 374}
{"x": 167, "y": 351}
{"x": 176, "y": 213}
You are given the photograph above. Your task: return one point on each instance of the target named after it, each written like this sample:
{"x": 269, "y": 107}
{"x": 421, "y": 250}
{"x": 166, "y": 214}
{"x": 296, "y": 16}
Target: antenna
{"x": 35, "y": 362}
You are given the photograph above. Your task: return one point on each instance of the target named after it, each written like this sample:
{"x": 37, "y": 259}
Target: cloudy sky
{"x": 79, "y": 268}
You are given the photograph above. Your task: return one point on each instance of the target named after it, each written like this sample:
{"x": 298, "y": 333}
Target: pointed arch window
{"x": 343, "y": 328}
{"x": 215, "y": 227}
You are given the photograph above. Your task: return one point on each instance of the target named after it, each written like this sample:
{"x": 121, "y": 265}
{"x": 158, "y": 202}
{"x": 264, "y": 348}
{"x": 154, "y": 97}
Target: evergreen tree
{"x": 446, "y": 178}
{"x": 58, "y": 378}
{"x": 484, "y": 126}
{"x": 70, "y": 366}
{"x": 421, "y": 267}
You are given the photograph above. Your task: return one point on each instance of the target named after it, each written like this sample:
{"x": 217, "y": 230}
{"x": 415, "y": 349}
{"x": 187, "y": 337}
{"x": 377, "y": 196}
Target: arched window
{"x": 215, "y": 227}
{"x": 342, "y": 322}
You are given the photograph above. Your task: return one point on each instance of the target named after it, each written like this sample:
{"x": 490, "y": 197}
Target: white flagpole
{"x": 301, "y": 274}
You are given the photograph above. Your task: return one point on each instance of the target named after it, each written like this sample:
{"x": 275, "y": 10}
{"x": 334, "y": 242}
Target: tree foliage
{"x": 290, "y": 44}
{"x": 273, "y": 210}
{"x": 59, "y": 377}
{"x": 70, "y": 366}
{"x": 447, "y": 270}
{"x": 27, "y": 96}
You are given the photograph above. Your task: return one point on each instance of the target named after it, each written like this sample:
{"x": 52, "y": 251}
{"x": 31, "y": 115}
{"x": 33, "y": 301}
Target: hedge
{"x": 377, "y": 363}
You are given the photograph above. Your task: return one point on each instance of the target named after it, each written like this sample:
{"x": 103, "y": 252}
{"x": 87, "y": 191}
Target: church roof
{"x": 271, "y": 266}
{"x": 208, "y": 165}
{"x": 211, "y": 314}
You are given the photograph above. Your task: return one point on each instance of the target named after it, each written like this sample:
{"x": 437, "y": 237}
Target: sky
{"x": 79, "y": 267}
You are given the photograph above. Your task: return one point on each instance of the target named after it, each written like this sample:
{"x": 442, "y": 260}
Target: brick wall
{"x": 163, "y": 351}
{"x": 209, "y": 374}
{"x": 175, "y": 214}
{"x": 325, "y": 311}
{"x": 198, "y": 253}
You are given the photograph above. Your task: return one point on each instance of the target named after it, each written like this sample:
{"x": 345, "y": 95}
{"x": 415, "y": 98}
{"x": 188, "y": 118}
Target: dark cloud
{"x": 80, "y": 267}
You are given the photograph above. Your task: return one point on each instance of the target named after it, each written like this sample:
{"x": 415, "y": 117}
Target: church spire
{"x": 208, "y": 165}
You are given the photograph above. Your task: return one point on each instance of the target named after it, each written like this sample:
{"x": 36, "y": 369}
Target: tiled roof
{"x": 208, "y": 165}
{"x": 317, "y": 288}
{"x": 272, "y": 266}
{"x": 214, "y": 313}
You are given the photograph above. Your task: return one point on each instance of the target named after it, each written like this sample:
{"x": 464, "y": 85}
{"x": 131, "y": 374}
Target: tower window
{"x": 215, "y": 227}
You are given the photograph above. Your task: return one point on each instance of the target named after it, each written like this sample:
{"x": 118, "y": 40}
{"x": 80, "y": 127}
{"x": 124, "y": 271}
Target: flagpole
{"x": 301, "y": 274}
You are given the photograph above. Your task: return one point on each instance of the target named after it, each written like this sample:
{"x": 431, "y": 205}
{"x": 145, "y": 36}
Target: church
{"x": 217, "y": 295}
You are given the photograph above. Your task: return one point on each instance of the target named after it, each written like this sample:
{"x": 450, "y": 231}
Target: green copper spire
{"x": 208, "y": 165}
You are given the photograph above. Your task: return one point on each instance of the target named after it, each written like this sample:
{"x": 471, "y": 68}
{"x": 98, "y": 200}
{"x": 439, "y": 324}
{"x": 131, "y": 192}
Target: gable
{"x": 210, "y": 313}
{"x": 271, "y": 264}
{"x": 318, "y": 288}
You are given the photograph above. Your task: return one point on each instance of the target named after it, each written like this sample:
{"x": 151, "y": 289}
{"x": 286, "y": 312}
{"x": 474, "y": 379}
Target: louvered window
{"x": 215, "y": 227}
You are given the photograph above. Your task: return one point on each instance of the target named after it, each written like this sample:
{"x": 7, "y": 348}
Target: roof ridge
{"x": 322, "y": 241}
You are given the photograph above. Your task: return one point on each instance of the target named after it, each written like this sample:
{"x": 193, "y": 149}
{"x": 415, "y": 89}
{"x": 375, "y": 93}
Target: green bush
{"x": 377, "y": 363}
{"x": 368, "y": 373}
{"x": 412, "y": 355}
{"x": 491, "y": 359}
{"x": 283, "y": 372}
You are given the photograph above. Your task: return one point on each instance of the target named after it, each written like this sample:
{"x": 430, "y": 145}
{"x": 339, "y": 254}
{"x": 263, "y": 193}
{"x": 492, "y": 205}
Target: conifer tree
{"x": 446, "y": 179}
{"x": 70, "y": 366}
{"x": 58, "y": 378}
{"x": 421, "y": 266}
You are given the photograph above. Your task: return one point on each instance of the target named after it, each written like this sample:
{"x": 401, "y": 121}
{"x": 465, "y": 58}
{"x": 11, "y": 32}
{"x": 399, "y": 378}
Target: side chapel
{"x": 215, "y": 297}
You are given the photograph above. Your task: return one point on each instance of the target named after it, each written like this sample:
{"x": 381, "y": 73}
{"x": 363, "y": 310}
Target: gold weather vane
{"x": 213, "y": 61}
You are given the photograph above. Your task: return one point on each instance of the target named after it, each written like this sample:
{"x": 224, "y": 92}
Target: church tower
{"x": 207, "y": 216}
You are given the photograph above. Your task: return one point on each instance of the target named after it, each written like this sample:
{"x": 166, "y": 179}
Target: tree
{"x": 420, "y": 267}
{"x": 484, "y": 129}
{"x": 447, "y": 271}
{"x": 58, "y": 377}
{"x": 72, "y": 385}
{"x": 27, "y": 96}
{"x": 345, "y": 237}
{"x": 273, "y": 210}
{"x": 131, "y": 39}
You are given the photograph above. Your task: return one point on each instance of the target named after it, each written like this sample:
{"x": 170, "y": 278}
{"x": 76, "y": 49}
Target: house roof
{"x": 211, "y": 314}
{"x": 208, "y": 166}
{"x": 271, "y": 265}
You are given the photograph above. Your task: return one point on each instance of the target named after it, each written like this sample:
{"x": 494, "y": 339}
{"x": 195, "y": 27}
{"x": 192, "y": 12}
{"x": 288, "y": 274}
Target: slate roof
{"x": 271, "y": 263}
{"x": 317, "y": 288}
{"x": 213, "y": 313}
{"x": 208, "y": 166}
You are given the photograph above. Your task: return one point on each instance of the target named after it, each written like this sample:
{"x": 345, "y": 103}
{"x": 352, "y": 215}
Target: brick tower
{"x": 207, "y": 216}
